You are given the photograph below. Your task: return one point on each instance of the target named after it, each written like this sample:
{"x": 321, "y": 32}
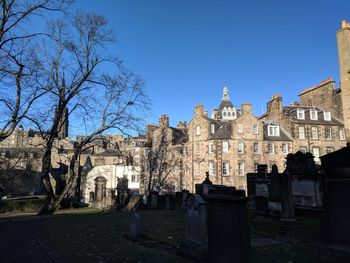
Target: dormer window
{"x": 273, "y": 130}
{"x": 300, "y": 114}
{"x": 198, "y": 130}
{"x": 212, "y": 129}
{"x": 313, "y": 114}
{"x": 327, "y": 115}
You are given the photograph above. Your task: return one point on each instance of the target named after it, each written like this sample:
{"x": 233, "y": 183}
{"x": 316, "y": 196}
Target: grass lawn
{"x": 93, "y": 236}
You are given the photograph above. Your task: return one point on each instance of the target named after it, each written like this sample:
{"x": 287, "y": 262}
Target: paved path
{"x": 18, "y": 241}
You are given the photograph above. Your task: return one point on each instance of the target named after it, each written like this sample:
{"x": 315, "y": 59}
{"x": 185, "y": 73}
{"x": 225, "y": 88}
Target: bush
{"x": 23, "y": 204}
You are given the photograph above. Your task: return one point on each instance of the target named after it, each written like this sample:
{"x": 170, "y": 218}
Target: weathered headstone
{"x": 185, "y": 194}
{"x": 228, "y": 229}
{"x": 134, "y": 226}
{"x": 196, "y": 237}
{"x": 261, "y": 196}
{"x": 335, "y": 227}
{"x": 123, "y": 191}
{"x": 154, "y": 200}
{"x": 203, "y": 188}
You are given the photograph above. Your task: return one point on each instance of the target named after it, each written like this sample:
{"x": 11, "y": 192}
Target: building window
{"x": 240, "y": 128}
{"x": 197, "y": 166}
{"x": 3, "y": 155}
{"x": 255, "y": 129}
{"x": 133, "y": 178}
{"x": 327, "y": 115}
{"x": 225, "y": 168}
{"x": 300, "y": 114}
{"x": 302, "y": 149}
{"x": 314, "y": 133}
{"x": 225, "y": 147}
{"x": 329, "y": 150}
{"x": 186, "y": 151}
{"x": 210, "y": 147}
{"x": 198, "y": 130}
{"x": 256, "y": 148}
{"x": 341, "y": 134}
{"x": 241, "y": 169}
{"x": 240, "y": 148}
{"x": 271, "y": 148}
{"x": 313, "y": 114}
{"x": 212, "y": 169}
{"x": 186, "y": 169}
{"x": 301, "y": 130}
{"x": 176, "y": 169}
{"x": 197, "y": 148}
{"x": 256, "y": 167}
{"x": 273, "y": 130}
{"x": 316, "y": 153}
{"x": 212, "y": 129}
{"x": 285, "y": 148}
{"x": 328, "y": 133}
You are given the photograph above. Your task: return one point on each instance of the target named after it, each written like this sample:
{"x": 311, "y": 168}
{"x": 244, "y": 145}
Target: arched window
{"x": 198, "y": 130}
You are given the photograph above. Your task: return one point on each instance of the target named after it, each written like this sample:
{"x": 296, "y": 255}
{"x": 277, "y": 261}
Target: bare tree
{"x": 19, "y": 62}
{"x": 99, "y": 91}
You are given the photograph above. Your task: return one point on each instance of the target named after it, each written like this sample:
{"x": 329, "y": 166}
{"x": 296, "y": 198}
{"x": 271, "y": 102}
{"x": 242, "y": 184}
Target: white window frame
{"x": 314, "y": 132}
{"x": 301, "y": 128}
{"x": 273, "y": 130}
{"x": 327, "y": 116}
{"x": 300, "y": 114}
{"x": 271, "y": 150}
{"x": 241, "y": 169}
{"x": 316, "y": 154}
{"x": 256, "y": 149}
{"x": 197, "y": 167}
{"x": 341, "y": 134}
{"x": 240, "y": 147}
{"x": 255, "y": 129}
{"x": 285, "y": 148}
{"x": 210, "y": 147}
{"x": 225, "y": 168}
{"x": 313, "y": 115}
{"x": 330, "y": 133}
{"x": 225, "y": 147}
{"x": 212, "y": 128}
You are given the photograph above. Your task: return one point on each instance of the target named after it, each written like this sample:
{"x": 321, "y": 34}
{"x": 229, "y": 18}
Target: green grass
{"x": 89, "y": 235}
{"x": 24, "y": 204}
{"x": 99, "y": 237}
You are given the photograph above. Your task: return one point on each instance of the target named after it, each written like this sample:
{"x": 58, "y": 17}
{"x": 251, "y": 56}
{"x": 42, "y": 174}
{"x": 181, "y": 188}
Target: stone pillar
{"x": 343, "y": 39}
{"x": 100, "y": 191}
{"x": 228, "y": 229}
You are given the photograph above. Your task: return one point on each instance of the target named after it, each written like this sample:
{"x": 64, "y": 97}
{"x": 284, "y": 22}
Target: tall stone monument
{"x": 343, "y": 39}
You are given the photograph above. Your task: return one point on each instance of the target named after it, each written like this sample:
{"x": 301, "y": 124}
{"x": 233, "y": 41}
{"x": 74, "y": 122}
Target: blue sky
{"x": 188, "y": 50}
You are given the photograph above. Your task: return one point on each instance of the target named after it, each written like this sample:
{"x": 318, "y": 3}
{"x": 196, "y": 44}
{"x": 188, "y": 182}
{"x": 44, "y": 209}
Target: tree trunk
{"x": 49, "y": 206}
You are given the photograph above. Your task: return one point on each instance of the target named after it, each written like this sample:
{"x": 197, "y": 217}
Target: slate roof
{"x": 291, "y": 112}
{"x": 179, "y": 135}
{"x": 284, "y": 136}
{"x": 225, "y": 103}
{"x": 224, "y": 130}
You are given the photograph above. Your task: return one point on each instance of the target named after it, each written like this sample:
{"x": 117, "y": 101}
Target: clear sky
{"x": 188, "y": 50}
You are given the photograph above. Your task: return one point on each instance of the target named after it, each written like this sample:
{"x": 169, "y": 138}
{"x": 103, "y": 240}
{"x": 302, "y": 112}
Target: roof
{"x": 110, "y": 152}
{"x": 291, "y": 112}
{"x": 283, "y": 136}
{"x": 179, "y": 135}
{"x": 223, "y": 132}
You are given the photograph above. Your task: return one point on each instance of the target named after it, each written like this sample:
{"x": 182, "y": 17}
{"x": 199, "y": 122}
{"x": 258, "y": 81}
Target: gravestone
{"x": 196, "y": 238}
{"x": 100, "y": 192}
{"x": 335, "y": 227}
{"x": 178, "y": 196}
{"x": 203, "y": 188}
{"x": 275, "y": 193}
{"x": 261, "y": 196}
{"x": 122, "y": 191}
{"x": 185, "y": 194}
{"x": 154, "y": 200}
{"x": 170, "y": 202}
{"x": 228, "y": 229}
{"x": 134, "y": 226}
